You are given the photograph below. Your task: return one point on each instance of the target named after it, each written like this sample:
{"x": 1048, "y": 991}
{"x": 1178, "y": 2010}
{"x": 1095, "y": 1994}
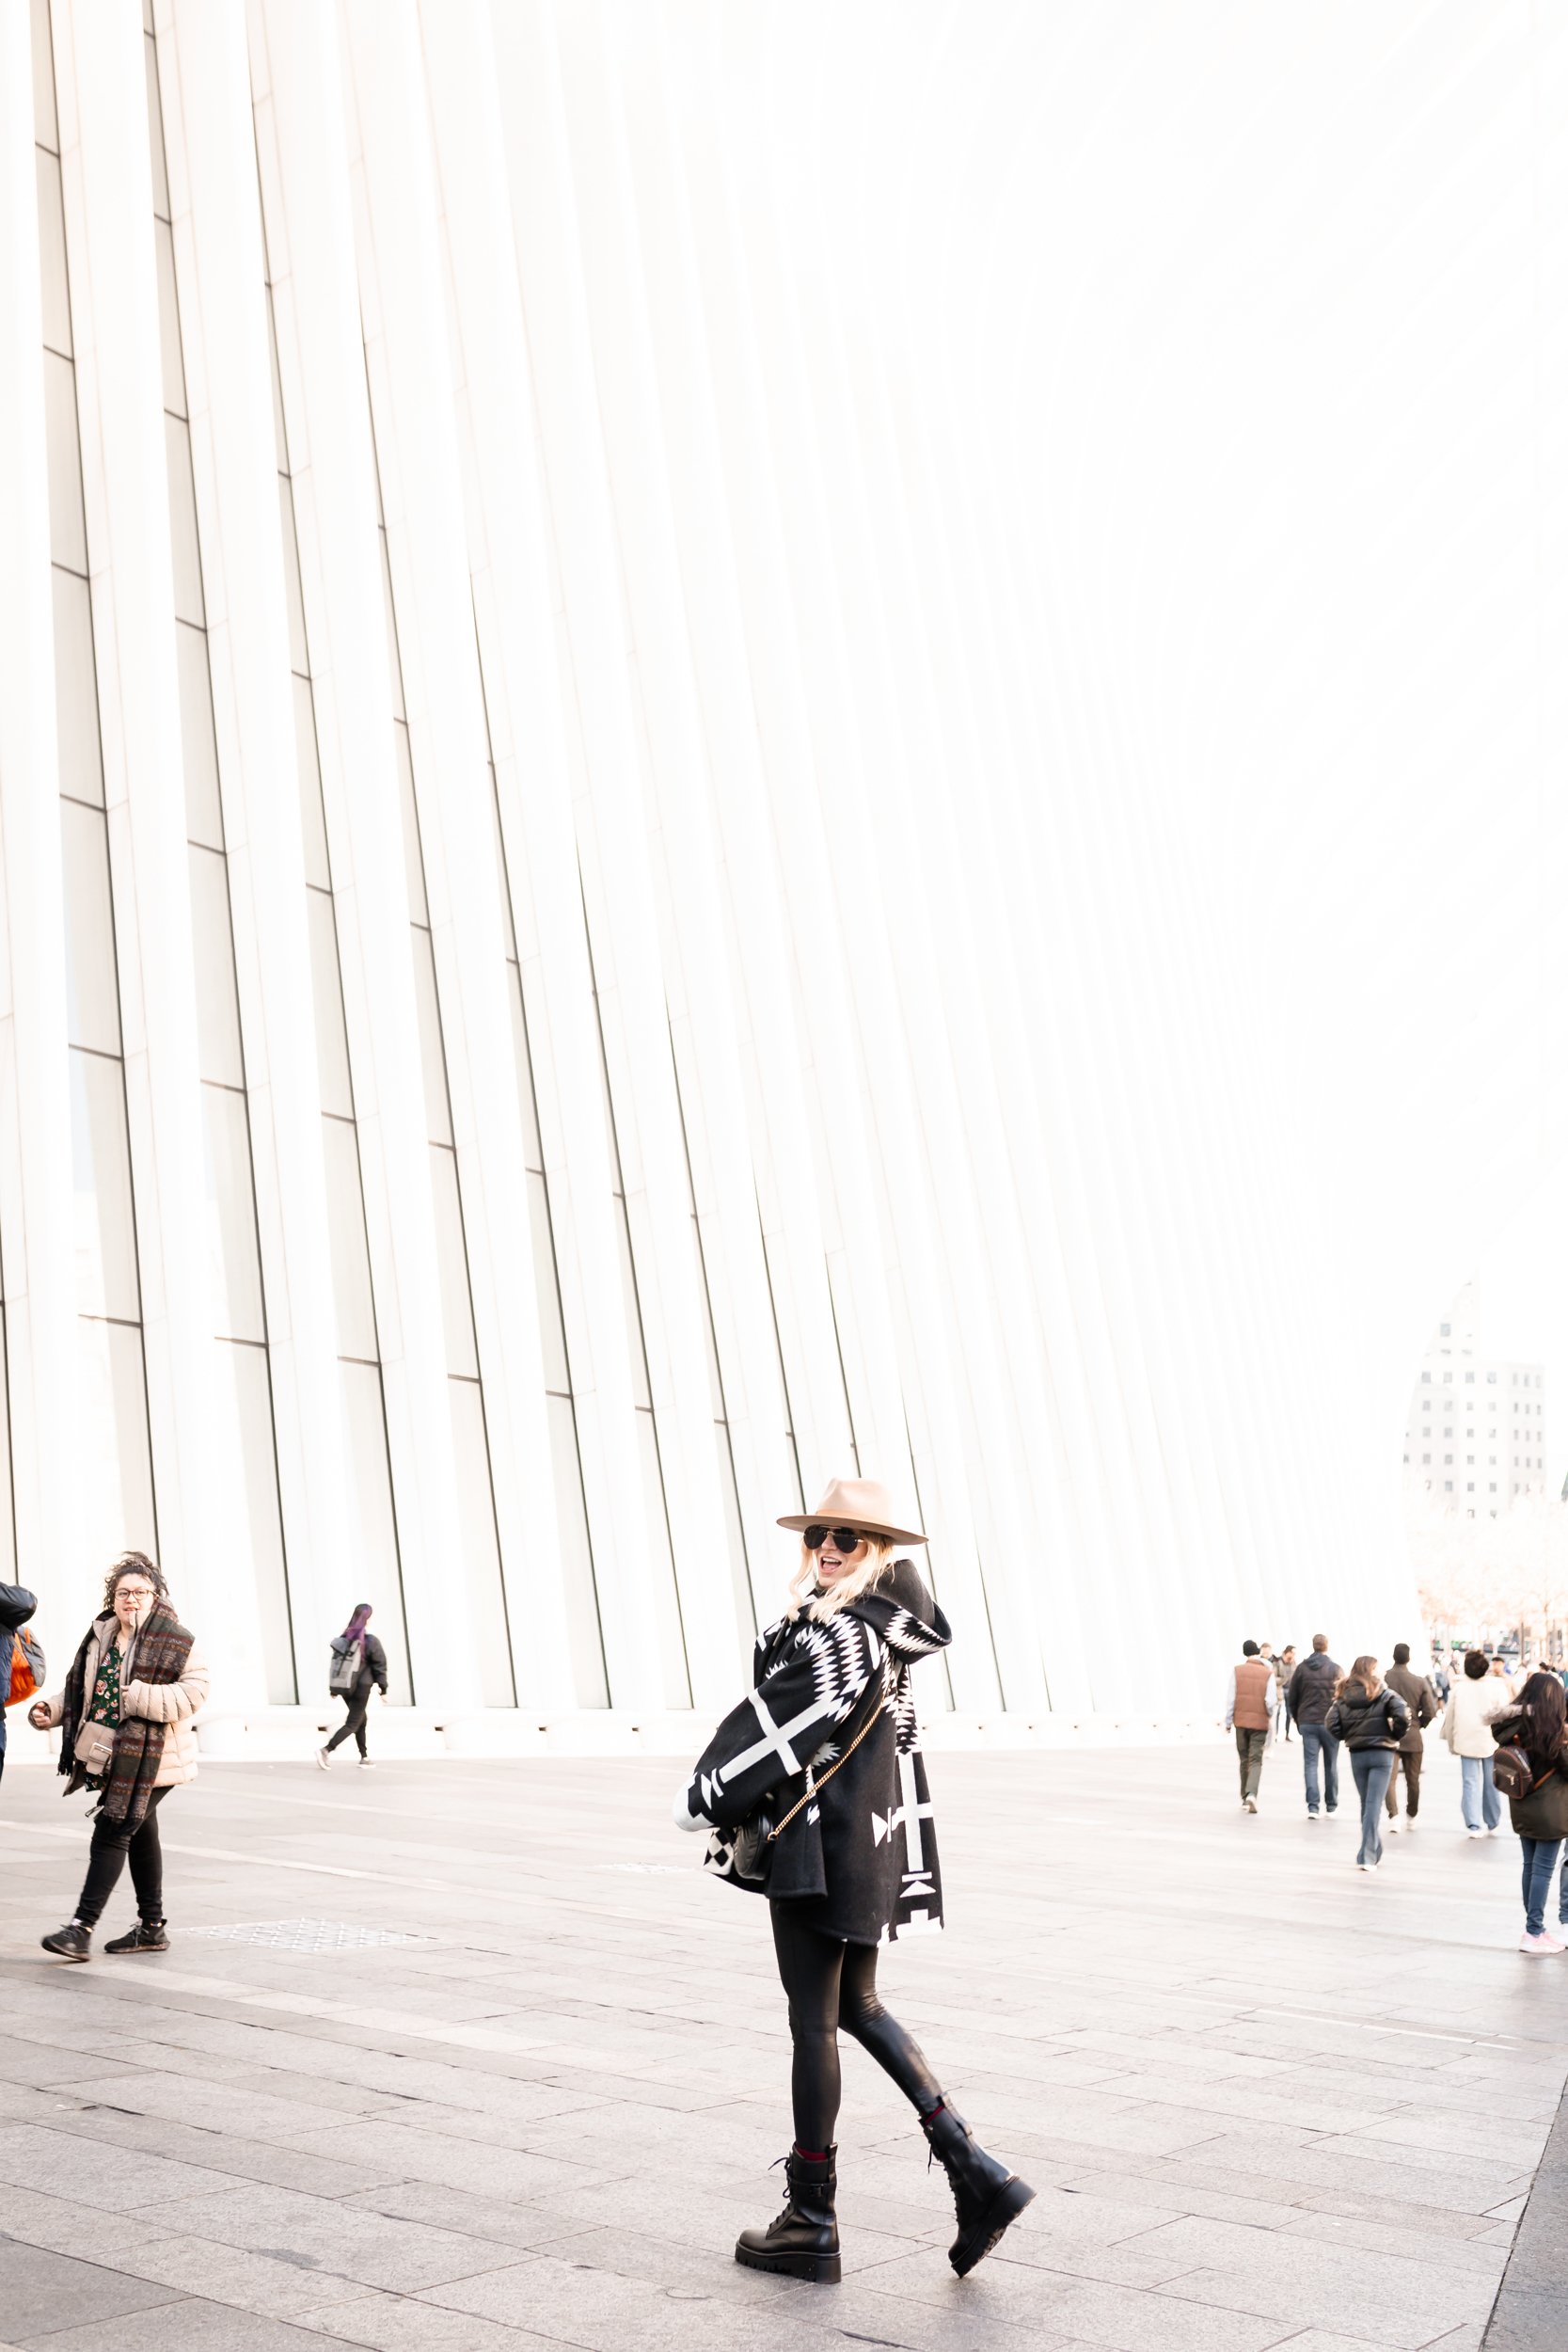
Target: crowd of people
{"x": 1510, "y": 1732}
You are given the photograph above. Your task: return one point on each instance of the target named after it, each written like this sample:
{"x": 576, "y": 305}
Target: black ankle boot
{"x": 72, "y": 1942}
{"x": 148, "y": 1935}
{"x": 804, "y": 2242}
{"x": 987, "y": 2195}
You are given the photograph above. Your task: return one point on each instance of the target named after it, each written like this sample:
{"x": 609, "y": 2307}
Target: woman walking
{"x": 1538, "y": 1724}
{"x": 1371, "y": 1720}
{"x": 358, "y": 1667}
{"x": 127, "y": 1730}
{"x": 814, "y": 1792}
{"x": 1474, "y": 1701}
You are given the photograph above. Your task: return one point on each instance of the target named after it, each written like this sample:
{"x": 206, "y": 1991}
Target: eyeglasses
{"x": 845, "y": 1539}
{"x": 134, "y": 1592}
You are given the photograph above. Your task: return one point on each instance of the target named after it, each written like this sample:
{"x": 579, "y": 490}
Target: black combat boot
{"x": 148, "y": 1935}
{"x": 804, "y": 2242}
{"x": 987, "y": 2195}
{"x": 72, "y": 1942}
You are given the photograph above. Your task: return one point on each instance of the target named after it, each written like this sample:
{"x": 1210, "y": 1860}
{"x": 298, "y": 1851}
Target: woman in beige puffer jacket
{"x": 134, "y": 1741}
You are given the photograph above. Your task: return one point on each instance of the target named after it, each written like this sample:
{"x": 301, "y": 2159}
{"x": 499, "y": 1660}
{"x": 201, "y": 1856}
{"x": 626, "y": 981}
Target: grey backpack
{"x": 343, "y": 1673}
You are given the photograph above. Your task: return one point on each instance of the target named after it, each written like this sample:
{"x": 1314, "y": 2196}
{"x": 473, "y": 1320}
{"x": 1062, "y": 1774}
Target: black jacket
{"x": 858, "y": 1861}
{"x": 373, "y": 1667}
{"x": 1311, "y": 1691}
{"x": 1363, "y": 1722}
{"x": 1545, "y": 1812}
{"x": 17, "y": 1605}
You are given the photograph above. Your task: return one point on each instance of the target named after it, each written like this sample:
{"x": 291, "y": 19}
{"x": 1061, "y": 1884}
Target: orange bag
{"x": 27, "y": 1668}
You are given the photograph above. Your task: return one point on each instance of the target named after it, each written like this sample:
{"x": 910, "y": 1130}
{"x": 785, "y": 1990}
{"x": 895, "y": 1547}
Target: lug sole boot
{"x": 148, "y": 1935}
{"x": 804, "y": 2242}
{"x": 987, "y": 2198}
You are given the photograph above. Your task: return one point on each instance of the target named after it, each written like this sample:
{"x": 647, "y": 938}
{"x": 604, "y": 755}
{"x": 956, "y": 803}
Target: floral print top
{"x": 104, "y": 1706}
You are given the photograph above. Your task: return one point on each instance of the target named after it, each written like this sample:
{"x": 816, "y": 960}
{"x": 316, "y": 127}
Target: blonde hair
{"x": 804, "y": 1598}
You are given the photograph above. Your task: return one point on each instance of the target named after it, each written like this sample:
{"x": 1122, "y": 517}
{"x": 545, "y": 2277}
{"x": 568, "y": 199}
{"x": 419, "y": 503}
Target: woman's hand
{"x": 37, "y": 1714}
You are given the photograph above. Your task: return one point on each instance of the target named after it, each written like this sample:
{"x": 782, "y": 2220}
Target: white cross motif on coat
{"x": 908, "y": 1816}
{"x": 776, "y": 1737}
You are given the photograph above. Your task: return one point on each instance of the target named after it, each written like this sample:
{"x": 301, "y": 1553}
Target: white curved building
{"x": 722, "y": 733}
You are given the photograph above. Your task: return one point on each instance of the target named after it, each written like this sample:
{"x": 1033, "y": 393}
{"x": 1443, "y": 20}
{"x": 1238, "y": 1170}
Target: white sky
{"x": 1524, "y": 1304}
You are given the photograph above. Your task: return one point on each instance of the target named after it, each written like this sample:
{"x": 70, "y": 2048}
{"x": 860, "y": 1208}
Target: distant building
{"x": 1474, "y": 1436}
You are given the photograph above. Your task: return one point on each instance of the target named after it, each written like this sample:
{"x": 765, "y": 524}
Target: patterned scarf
{"x": 163, "y": 1649}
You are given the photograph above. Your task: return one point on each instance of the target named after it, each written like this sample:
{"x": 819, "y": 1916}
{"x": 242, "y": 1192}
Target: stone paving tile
{"x": 340, "y": 2240}
{"x": 226, "y": 2154}
{"x": 390, "y": 2323}
{"x": 43, "y": 2289}
{"x": 187, "y": 2326}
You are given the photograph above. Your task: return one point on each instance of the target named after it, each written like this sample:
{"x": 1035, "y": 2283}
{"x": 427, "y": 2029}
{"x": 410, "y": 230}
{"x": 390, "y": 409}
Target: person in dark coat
{"x": 814, "y": 1792}
{"x": 1372, "y": 1721}
{"x": 1422, "y": 1701}
{"x": 17, "y": 1605}
{"x": 1308, "y": 1696}
{"x": 1538, "y": 1723}
{"x": 370, "y": 1676}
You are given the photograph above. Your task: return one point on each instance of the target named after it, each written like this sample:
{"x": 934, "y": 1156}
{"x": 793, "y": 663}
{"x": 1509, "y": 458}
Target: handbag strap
{"x": 816, "y": 1786}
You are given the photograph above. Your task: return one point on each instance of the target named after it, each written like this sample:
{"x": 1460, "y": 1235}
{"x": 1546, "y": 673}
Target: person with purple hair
{"x": 371, "y": 1675}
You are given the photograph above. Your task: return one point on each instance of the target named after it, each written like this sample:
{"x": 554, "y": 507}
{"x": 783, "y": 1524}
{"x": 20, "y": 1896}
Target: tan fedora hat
{"x": 862, "y": 1503}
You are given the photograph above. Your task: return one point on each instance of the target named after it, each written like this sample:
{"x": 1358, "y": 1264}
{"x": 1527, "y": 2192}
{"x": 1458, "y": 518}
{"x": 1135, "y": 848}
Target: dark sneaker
{"x": 72, "y": 1942}
{"x": 148, "y": 1935}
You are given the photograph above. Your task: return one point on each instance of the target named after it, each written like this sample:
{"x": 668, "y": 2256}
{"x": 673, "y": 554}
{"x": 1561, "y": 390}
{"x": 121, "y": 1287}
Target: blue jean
{"x": 1540, "y": 1860}
{"x": 1318, "y": 1740}
{"x": 1372, "y": 1769}
{"x": 1478, "y": 1797}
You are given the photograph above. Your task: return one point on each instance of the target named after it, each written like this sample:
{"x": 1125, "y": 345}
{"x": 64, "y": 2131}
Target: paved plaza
{"x": 1265, "y": 2100}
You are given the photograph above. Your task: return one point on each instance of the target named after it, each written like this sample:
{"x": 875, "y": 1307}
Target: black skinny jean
{"x": 113, "y": 1846}
{"x": 830, "y": 1984}
{"x": 358, "y": 1702}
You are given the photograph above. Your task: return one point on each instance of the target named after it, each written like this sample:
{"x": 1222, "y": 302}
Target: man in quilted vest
{"x": 1249, "y": 1712}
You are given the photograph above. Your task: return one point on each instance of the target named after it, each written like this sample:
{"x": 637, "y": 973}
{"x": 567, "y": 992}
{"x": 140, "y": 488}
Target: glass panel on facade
{"x": 552, "y": 1331}
{"x": 75, "y": 689}
{"x": 233, "y": 1264}
{"x": 298, "y": 659}
{"x": 112, "y": 1462}
{"x": 217, "y": 1007}
{"x": 476, "y": 1515}
{"x": 373, "y": 1530}
{"x": 432, "y": 1058}
{"x": 243, "y": 1372}
{"x": 168, "y": 321}
{"x": 106, "y": 1235}
{"x": 55, "y": 287}
{"x": 68, "y": 529}
{"x": 184, "y": 544}
{"x": 203, "y": 807}
{"x": 312, "y": 821}
{"x": 350, "y": 1263}
{"x": 584, "y": 1634}
{"x": 457, "y": 1318}
{"x": 92, "y": 987}
{"x": 337, "y": 1093}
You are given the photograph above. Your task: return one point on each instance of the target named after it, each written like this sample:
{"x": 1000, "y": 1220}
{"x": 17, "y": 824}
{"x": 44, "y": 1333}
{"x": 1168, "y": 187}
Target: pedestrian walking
{"x": 1535, "y": 1727}
{"x": 358, "y": 1667}
{"x": 1473, "y": 1701}
{"x": 1284, "y": 1668}
{"x": 1421, "y": 1699}
{"x": 814, "y": 1790}
{"x": 1309, "y": 1696}
{"x": 16, "y": 1604}
{"x": 1372, "y": 1720}
{"x": 1249, "y": 1706}
{"x": 126, "y": 1715}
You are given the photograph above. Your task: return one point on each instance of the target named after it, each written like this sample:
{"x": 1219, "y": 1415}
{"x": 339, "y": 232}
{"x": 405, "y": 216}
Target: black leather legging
{"x": 830, "y": 1984}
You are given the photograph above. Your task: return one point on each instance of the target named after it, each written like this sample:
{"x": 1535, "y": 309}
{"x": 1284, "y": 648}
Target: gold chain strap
{"x": 819, "y": 1786}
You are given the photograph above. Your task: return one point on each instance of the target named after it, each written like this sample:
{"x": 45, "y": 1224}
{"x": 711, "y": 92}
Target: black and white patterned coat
{"x": 860, "y": 1858}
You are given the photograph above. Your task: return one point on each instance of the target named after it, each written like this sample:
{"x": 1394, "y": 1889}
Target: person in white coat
{"x": 1478, "y": 1695}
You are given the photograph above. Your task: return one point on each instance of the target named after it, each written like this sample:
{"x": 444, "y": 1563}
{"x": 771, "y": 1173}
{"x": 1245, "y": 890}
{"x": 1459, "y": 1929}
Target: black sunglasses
{"x": 845, "y": 1539}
